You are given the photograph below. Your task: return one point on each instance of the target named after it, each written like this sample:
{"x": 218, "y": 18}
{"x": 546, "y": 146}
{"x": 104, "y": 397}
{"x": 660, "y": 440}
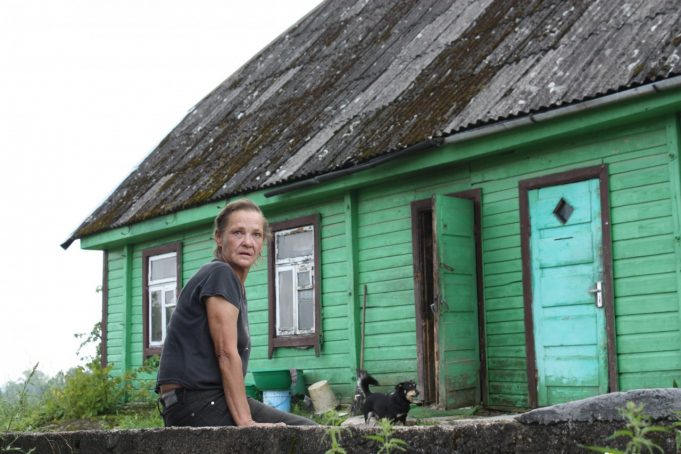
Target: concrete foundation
{"x": 559, "y": 429}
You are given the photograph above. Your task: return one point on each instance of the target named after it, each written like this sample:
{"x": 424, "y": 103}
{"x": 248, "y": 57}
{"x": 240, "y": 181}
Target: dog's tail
{"x": 364, "y": 381}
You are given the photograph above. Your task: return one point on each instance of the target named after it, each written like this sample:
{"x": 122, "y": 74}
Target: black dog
{"x": 393, "y": 406}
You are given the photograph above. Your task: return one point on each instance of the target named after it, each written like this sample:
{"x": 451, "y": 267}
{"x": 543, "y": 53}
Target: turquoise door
{"x": 456, "y": 310}
{"x": 567, "y": 310}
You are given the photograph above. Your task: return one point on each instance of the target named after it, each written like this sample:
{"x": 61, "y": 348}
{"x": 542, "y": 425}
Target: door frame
{"x": 418, "y": 207}
{"x": 572, "y": 176}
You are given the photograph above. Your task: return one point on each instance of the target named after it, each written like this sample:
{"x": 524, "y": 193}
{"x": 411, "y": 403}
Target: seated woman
{"x": 205, "y": 354}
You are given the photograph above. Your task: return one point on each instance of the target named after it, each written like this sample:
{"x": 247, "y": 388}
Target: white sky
{"x": 87, "y": 89}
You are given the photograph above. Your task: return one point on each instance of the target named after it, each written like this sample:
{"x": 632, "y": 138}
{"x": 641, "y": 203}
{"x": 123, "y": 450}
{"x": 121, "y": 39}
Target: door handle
{"x": 598, "y": 290}
{"x": 435, "y": 306}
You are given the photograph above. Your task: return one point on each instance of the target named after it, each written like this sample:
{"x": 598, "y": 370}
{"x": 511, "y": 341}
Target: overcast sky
{"x": 87, "y": 89}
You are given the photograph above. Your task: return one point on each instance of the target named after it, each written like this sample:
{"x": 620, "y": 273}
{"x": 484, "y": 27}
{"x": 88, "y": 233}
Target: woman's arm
{"x": 222, "y": 321}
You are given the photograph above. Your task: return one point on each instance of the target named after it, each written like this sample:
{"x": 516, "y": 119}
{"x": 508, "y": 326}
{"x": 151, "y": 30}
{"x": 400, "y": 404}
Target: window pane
{"x": 164, "y": 268}
{"x": 299, "y": 244}
{"x": 305, "y": 310}
{"x": 285, "y": 301}
{"x": 304, "y": 279}
{"x": 170, "y": 297}
{"x": 155, "y": 313}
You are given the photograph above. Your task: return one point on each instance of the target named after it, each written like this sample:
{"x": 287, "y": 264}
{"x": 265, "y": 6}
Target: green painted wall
{"x": 646, "y": 298}
{"x": 642, "y": 162}
{"x": 334, "y": 363}
{"x": 115, "y": 344}
{"x": 645, "y": 191}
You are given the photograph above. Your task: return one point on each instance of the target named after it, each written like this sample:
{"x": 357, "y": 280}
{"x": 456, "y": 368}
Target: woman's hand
{"x": 265, "y": 424}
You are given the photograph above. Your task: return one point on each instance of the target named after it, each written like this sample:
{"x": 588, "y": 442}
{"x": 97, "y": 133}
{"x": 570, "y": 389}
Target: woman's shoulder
{"x": 217, "y": 267}
{"x": 217, "y": 278}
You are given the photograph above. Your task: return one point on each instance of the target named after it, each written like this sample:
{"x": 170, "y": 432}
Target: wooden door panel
{"x": 569, "y": 330}
{"x": 456, "y": 299}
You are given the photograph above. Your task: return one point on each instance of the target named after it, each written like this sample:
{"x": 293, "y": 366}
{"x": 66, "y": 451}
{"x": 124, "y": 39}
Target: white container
{"x": 281, "y": 400}
{"x": 322, "y": 397}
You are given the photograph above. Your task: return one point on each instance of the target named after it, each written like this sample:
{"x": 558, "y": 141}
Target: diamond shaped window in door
{"x": 563, "y": 211}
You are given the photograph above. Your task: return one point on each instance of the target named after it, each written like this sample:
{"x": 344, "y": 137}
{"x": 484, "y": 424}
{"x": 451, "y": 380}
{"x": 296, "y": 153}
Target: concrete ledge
{"x": 526, "y": 433}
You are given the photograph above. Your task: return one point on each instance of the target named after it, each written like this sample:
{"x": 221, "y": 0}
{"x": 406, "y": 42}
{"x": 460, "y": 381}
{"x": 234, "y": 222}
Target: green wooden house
{"x": 494, "y": 186}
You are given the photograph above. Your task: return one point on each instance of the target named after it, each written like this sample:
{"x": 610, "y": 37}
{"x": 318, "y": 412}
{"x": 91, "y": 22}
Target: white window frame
{"x": 162, "y": 285}
{"x": 297, "y": 265}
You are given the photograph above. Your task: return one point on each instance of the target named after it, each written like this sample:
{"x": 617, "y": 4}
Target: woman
{"x": 205, "y": 353}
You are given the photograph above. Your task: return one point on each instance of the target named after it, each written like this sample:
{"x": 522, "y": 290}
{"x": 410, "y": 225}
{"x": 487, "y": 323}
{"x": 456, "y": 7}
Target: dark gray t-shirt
{"x": 188, "y": 356}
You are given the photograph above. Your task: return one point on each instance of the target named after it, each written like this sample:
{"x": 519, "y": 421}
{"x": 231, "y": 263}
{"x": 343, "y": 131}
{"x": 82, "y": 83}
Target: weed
{"x": 16, "y": 411}
{"x": 334, "y": 433}
{"x": 385, "y": 437}
{"x": 677, "y": 432}
{"x": 638, "y": 429}
{"x": 329, "y": 418}
{"x": 19, "y": 407}
{"x": 11, "y": 448}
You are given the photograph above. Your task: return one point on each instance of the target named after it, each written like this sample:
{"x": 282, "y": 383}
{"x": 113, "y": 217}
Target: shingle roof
{"x": 356, "y": 79}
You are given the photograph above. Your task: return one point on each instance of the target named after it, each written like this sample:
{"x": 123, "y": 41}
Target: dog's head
{"x": 408, "y": 390}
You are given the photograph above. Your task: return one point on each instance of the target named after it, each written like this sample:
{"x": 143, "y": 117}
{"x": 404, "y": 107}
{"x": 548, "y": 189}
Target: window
{"x": 294, "y": 276}
{"x": 161, "y": 278}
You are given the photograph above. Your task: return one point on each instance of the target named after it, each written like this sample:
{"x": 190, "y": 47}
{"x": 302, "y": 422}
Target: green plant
{"x": 329, "y": 418}
{"x": 140, "y": 382}
{"x": 88, "y": 391}
{"x": 16, "y": 411}
{"x": 385, "y": 437}
{"x": 335, "y": 433}
{"x": 677, "y": 432}
{"x": 94, "y": 337}
{"x": 11, "y": 448}
{"x": 140, "y": 418}
{"x": 19, "y": 407}
{"x": 638, "y": 429}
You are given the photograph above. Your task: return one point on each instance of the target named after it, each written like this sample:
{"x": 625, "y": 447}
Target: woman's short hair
{"x": 222, "y": 220}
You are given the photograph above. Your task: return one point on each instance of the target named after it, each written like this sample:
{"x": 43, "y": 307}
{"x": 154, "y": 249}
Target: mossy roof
{"x": 357, "y": 79}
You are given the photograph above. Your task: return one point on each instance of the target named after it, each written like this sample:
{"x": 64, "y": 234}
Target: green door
{"x": 567, "y": 305}
{"x": 456, "y": 311}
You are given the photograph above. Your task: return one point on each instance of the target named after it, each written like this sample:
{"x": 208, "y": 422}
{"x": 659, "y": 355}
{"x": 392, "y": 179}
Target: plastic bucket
{"x": 322, "y": 397}
{"x": 281, "y": 400}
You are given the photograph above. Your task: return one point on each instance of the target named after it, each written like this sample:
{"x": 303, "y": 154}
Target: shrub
{"x": 88, "y": 391}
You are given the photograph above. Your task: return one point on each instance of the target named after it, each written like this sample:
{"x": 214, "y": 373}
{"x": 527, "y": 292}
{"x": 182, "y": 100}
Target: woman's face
{"x": 242, "y": 240}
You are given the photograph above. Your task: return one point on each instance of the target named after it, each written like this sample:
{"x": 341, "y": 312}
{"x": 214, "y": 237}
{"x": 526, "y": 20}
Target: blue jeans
{"x": 209, "y": 408}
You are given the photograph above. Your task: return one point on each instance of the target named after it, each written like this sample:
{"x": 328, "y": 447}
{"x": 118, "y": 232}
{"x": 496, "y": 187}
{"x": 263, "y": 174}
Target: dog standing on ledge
{"x": 393, "y": 406}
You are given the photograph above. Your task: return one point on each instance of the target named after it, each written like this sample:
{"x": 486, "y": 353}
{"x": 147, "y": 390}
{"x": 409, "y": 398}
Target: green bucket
{"x": 272, "y": 379}
{"x": 297, "y": 382}
{"x": 254, "y": 392}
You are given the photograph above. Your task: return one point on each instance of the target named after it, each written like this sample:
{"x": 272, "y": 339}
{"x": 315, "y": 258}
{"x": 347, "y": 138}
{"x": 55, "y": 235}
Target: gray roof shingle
{"x": 356, "y": 79}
